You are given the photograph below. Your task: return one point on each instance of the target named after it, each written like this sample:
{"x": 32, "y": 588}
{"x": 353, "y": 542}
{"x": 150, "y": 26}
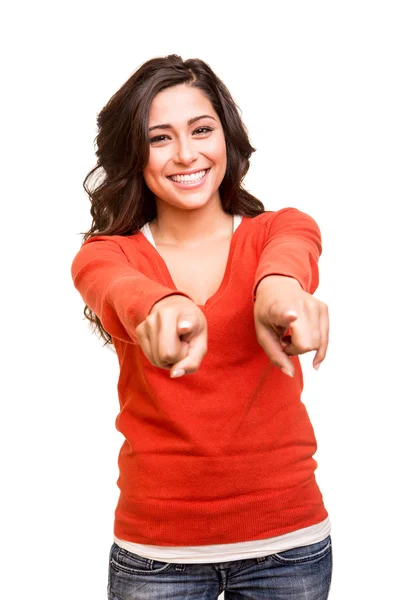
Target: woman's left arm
{"x": 288, "y": 319}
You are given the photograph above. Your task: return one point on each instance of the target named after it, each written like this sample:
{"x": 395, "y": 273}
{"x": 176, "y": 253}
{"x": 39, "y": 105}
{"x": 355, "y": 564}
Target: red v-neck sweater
{"x": 223, "y": 455}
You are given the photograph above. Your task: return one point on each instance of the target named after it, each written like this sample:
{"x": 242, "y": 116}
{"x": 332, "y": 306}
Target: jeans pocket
{"x": 305, "y": 554}
{"x": 128, "y": 562}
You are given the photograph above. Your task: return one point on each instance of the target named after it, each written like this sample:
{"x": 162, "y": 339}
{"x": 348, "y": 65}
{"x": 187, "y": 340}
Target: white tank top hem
{"x": 227, "y": 552}
{"x": 237, "y": 219}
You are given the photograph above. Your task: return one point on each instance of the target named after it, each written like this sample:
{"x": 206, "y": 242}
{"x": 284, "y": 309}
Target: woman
{"x": 207, "y": 299}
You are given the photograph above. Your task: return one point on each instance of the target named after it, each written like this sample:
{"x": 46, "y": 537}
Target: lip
{"x": 191, "y": 185}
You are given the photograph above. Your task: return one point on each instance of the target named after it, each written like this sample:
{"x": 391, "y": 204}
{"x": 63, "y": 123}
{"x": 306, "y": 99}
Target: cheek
{"x": 153, "y": 169}
{"x": 218, "y": 150}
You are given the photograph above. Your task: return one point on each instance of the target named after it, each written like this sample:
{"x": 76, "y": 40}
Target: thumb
{"x": 196, "y": 350}
{"x": 184, "y": 331}
{"x": 184, "y": 326}
{"x": 288, "y": 317}
{"x": 282, "y": 322}
{"x": 269, "y": 340}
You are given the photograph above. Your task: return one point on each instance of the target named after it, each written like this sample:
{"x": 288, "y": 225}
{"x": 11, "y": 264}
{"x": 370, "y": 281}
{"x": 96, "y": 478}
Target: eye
{"x": 203, "y": 130}
{"x": 158, "y": 138}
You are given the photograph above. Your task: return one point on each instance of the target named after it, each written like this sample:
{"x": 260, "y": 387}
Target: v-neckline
{"x": 167, "y": 277}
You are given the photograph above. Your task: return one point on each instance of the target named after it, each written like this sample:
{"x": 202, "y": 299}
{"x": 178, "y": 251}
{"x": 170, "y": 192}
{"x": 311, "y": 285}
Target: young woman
{"x": 208, "y": 300}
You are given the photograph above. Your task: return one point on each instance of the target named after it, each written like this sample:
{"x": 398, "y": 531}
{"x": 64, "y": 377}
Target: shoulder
{"x": 119, "y": 240}
{"x": 124, "y": 243}
{"x": 120, "y": 247}
{"x": 285, "y": 219}
{"x": 288, "y": 214}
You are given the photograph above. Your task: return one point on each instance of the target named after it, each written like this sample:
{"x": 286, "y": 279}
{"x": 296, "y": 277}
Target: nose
{"x": 186, "y": 152}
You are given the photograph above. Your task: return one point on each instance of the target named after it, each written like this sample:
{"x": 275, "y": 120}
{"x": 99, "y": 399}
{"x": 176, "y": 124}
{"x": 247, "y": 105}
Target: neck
{"x": 174, "y": 226}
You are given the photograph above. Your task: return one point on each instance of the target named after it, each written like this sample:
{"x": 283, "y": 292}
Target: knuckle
{"x": 158, "y": 362}
{"x": 303, "y": 348}
{"x": 167, "y": 357}
{"x": 151, "y": 320}
{"x": 274, "y": 311}
{"x": 151, "y": 359}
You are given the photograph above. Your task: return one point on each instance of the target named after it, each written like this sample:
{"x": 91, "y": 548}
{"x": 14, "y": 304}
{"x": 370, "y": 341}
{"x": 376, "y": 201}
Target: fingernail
{"x": 317, "y": 366}
{"x": 287, "y": 372}
{"x": 185, "y": 324}
{"x": 177, "y": 373}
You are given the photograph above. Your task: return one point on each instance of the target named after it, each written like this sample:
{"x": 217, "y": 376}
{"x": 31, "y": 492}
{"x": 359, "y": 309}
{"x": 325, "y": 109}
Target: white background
{"x": 318, "y": 85}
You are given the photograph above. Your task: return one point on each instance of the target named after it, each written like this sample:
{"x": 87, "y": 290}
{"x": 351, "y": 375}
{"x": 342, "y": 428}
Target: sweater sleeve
{"x": 117, "y": 292}
{"x": 292, "y": 247}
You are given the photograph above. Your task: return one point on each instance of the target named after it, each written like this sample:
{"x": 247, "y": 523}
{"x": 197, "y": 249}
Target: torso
{"x": 197, "y": 271}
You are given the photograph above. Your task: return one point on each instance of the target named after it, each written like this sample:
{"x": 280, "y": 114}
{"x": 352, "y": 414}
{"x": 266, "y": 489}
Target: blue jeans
{"x": 300, "y": 574}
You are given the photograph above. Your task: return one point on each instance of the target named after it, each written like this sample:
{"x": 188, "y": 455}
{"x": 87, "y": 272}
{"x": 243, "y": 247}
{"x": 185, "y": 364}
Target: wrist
{"x": 172, "y": 300}
{"x": 272, "y": 281}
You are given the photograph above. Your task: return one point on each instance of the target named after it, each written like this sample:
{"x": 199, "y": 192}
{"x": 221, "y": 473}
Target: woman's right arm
{"x": 119, "y": 294}
{"x": 169, "y": 327}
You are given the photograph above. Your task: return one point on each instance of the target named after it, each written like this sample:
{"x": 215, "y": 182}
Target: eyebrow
{"x": 190, "y": 122}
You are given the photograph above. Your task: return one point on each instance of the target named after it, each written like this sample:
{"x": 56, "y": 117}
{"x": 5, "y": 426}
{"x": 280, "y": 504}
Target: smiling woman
{"x": 190, "y": 155}
{"x": 208, "y": 301}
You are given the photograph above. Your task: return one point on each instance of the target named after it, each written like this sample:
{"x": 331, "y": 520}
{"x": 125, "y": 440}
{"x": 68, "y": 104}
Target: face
{"x": 187, "y": 160}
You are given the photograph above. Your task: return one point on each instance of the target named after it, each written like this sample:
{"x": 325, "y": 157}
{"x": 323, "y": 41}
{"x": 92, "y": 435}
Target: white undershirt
{"x": 227, "y": 552}
{"x": 237, "y": 219}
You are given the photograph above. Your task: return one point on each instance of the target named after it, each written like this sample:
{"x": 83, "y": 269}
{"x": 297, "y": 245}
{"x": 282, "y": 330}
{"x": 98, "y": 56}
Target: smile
{"x": 189, "y": 179}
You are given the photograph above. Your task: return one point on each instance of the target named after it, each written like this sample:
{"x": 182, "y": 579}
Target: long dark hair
{"x": 121, "y": 202}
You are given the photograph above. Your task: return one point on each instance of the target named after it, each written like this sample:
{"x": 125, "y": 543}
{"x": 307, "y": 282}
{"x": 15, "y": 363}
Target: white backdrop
{"x": 318, "y": 85}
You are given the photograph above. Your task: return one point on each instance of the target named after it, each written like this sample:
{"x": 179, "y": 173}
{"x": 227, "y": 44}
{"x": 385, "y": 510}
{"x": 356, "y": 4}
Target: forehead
{"x": 178, "y": 104}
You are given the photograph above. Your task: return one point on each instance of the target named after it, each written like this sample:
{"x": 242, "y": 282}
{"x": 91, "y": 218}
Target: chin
{"x": 189, "y": 202}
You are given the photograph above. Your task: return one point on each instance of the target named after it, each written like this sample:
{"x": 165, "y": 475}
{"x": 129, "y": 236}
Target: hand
{"x": 281, "y": 305}
{"x": 174, "y": 335}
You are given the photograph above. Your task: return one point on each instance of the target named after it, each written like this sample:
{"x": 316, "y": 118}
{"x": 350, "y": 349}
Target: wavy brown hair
{"x": 121, "y": 202}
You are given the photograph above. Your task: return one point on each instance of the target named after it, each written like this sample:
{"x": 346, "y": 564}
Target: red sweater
{"x": 226, "y": 454}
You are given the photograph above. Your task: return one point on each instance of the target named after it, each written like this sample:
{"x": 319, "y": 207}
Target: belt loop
{"x": 261, "y": 559}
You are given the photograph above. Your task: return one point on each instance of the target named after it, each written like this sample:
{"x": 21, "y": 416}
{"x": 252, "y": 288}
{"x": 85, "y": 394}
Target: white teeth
{"x": 193, "y": 177}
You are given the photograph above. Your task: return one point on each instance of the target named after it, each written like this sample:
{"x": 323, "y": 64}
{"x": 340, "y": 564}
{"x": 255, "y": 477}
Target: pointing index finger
{"x": 324, "y": 340}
